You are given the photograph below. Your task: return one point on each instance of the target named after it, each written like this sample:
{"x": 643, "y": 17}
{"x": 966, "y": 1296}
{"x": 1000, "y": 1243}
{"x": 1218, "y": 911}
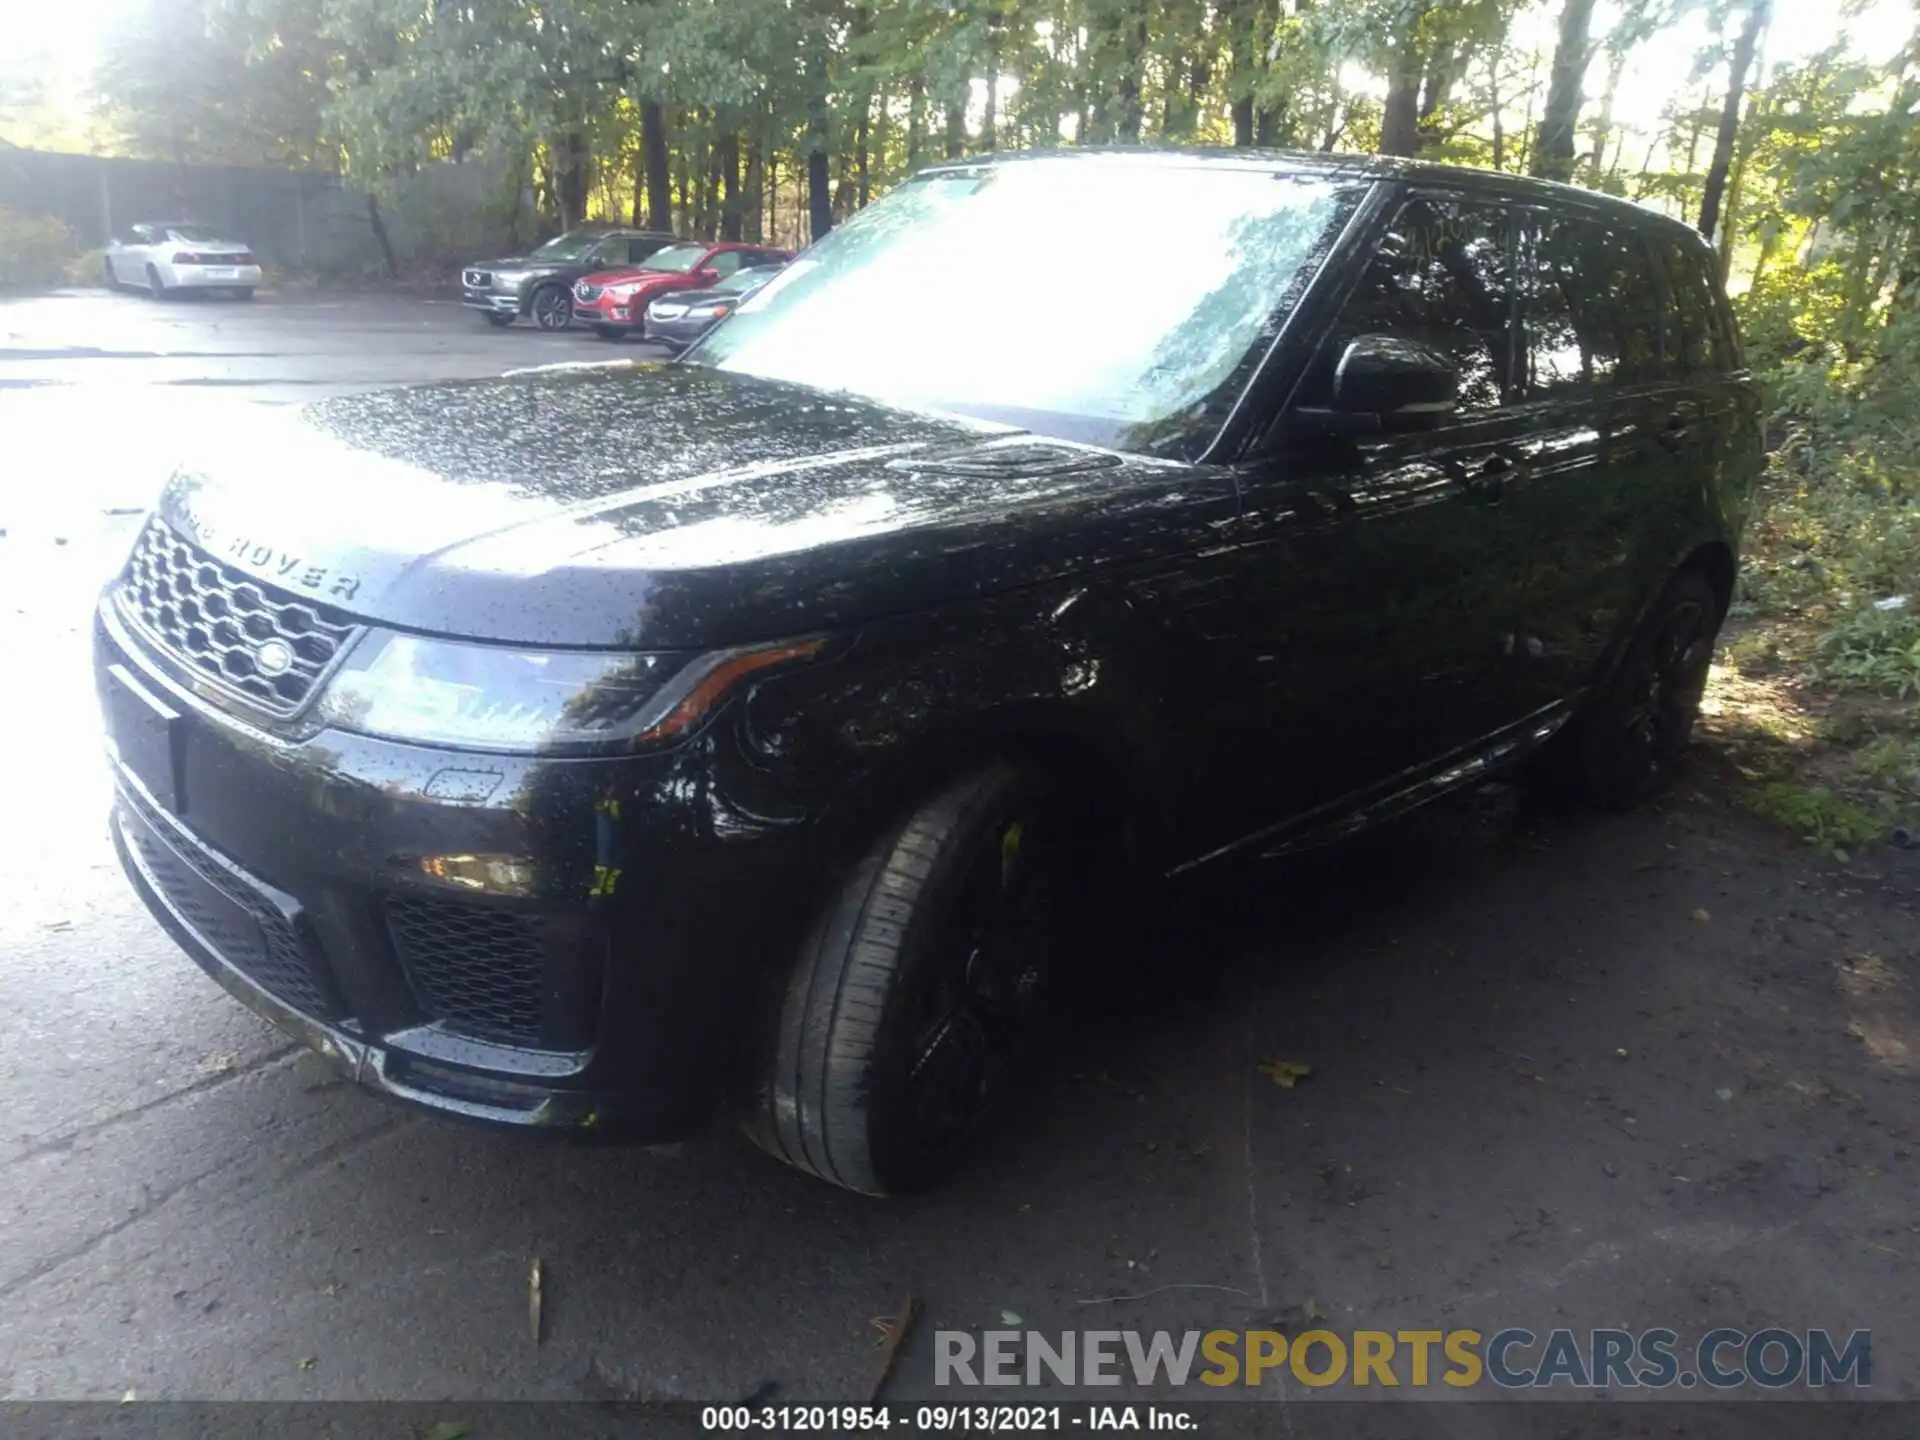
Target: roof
{"x": 1373, "y": 168}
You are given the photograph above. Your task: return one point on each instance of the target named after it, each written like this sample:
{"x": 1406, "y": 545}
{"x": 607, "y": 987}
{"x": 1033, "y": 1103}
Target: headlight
{"x": 707, "y": 312}
{"x": 511, "y": 279}
{"x": 489, "y": 697}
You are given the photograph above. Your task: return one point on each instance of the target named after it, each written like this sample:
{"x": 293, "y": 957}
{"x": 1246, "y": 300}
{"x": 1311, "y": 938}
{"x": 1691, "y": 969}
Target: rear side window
{"x": 1590, "y": 307}
{"x": 1698, "y": 342}
{"x": 1442, "y": 275}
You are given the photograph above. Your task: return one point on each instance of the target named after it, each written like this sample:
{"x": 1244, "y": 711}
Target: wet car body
{"x": 1216, "y": 640}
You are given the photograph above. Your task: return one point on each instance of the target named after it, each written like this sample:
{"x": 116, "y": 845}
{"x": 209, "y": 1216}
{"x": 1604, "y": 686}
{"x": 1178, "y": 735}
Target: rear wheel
{"x": 497, "y": 320}
{"x": 552, "y": 307}
{"x": 1629, "y": 742}
{"x": 911, "y": 1013}
{"x": 244, "y": 292}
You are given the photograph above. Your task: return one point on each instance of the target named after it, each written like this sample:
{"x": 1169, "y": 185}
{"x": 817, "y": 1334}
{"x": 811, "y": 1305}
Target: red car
{"x": 614, "y": 302}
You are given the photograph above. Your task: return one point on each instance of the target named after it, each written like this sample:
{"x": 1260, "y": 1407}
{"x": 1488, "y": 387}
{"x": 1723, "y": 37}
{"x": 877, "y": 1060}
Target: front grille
{"x": 216, "y": 620}
{"x": 227, "y": 910}
{"x": 586, "y": 292}
{"x": 477, "y": 279}
{"x": 477, "y": 971}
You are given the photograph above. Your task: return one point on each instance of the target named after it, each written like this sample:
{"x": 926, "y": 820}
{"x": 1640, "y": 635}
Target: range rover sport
{"x": 626, "y": 747}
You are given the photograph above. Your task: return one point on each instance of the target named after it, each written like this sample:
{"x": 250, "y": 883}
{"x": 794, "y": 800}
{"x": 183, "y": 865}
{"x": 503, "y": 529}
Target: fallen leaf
{"x": 1007, "y": 1317}
{"x": 131, "y": 1395}
{"x": 1284, "y": 1072}
{"x": 1702, "y": 915}
{"x": 447, "y": 1430}
{"x": 1723, "y": 1093}
{"x": 307, "y": 1362}
{"x": 533, "y": 1299}
{"x": 219, "y": 1064}
{"x": 1620, "y": 1053}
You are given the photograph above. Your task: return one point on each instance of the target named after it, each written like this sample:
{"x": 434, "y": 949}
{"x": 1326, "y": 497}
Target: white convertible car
{"x": 159, "y": 258}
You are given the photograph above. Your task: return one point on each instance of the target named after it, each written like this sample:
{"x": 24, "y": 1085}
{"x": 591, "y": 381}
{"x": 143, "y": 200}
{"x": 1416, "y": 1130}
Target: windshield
{"x": 198, "y": 234}
{"x": 574, "y": 245}
{"x": 677, "y": 258}
{"x": 1022, "y": 293}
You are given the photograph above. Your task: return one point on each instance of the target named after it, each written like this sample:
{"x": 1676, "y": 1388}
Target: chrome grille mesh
{"x": 215, "y": 619}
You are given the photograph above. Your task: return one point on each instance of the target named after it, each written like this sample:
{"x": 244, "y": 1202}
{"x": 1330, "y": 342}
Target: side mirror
{"x": 1394, "y": 380}
{"x": 706, "y": 275}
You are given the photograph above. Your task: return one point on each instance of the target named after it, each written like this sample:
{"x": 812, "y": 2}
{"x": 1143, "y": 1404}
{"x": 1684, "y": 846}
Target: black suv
{"x": 540, "y": 285}
{"x": 639, "y": 744}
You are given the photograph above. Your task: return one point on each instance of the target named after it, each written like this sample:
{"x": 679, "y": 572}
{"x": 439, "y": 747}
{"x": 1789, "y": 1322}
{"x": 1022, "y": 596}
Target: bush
{"x": 34, "y": 250}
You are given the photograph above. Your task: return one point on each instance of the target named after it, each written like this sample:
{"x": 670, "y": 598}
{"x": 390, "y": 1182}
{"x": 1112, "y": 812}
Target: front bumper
{"x": 678, "y": 333}
{"x": 491, "y": 301}
{"x": 538, "y": 943}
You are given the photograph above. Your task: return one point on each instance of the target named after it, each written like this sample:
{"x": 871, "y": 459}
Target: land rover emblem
{"x": 275, "y": 657}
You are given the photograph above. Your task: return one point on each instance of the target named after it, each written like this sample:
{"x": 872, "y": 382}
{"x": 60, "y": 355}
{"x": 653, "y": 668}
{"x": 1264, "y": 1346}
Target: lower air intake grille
{"x": 477, "y": 971}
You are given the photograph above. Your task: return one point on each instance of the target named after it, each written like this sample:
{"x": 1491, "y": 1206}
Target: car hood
{"x": 519, "y": 262}
{"x": 653, "y": 505}
{"x": 632, "y": 276}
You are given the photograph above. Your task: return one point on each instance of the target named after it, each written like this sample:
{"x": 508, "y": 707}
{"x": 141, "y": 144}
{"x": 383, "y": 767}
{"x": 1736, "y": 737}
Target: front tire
{"x": 497, "y": 320}
{"x": 1628, "y": 744}
{"x": 911, "y": 1013}
{"x": 552, "y": 307}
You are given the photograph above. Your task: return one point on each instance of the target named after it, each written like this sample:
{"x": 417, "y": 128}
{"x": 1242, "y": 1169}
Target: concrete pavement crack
{"x": 157, "y": 1201}
{"x": 67, "y": 1140}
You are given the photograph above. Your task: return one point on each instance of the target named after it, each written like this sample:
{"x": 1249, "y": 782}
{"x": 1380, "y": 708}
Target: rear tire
{"x": 243, "y": 292}
{"x": 1628, "y": 744}
{"x": 912, "y": 1009}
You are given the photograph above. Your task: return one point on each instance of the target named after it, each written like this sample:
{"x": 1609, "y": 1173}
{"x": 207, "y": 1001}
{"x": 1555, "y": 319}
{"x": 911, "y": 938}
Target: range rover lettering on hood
{"x": 283, "y": 566}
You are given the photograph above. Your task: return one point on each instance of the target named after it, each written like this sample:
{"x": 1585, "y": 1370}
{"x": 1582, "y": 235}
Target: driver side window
{"x": 725, "y": 263}
{"x": 1442, "y": 274}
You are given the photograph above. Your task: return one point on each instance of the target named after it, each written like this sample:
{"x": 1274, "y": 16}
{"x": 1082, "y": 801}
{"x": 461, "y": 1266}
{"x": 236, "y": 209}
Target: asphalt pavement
{"x": 1645, "y": 1070}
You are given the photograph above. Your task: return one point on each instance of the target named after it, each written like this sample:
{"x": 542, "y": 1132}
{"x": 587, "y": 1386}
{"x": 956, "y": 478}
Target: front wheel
{"x": 1628, "y": 744}
{"x": 911, "y": 1014}
{"x": 497, "y": 320}
{"x": 552, "y": 308}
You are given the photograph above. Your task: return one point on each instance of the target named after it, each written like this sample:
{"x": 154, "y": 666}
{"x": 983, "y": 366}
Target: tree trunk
{"x": 880, "y": 128}
{"x": 379, "y": 225}
{"x": 1132, "y": 110}
{"x": 819, "y": 163}
{"x": 956, "y": 129}
{"x": 1400, "y": 113}
{"x": 773, "y": 199}
{"x": 990, "y": 120}
{"x": 916, "y": 121}
{"x": 1241, "y": 21}
{"x": 1717, "y": 168}
{"x": 1554, "y": 148}
{"x": 1526, "y": 121}
{"x": 862, "y": 136}
{"x": 730, "y": 206}
{"x": 570, "y": 181}
{"x": 1603, "y": 125}
{"x": 657, "y": 165}
{"x": 1496, "y": 104}
{"x": 756, "y": 216}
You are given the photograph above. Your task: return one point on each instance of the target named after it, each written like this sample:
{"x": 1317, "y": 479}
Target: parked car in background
{"x": 681, "y": 317}
{"x": 760, "y": 735}
{"x": 614, "y": 302}
{"x": 164, "y": 256}
{"x": 538, "y": 285}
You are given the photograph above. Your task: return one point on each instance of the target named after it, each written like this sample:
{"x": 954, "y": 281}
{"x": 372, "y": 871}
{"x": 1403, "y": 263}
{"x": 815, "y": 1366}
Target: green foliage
{"x": 1817, "y": 815}
{"x": 1869, "y": 649}
{"x": 34, "y": 250}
